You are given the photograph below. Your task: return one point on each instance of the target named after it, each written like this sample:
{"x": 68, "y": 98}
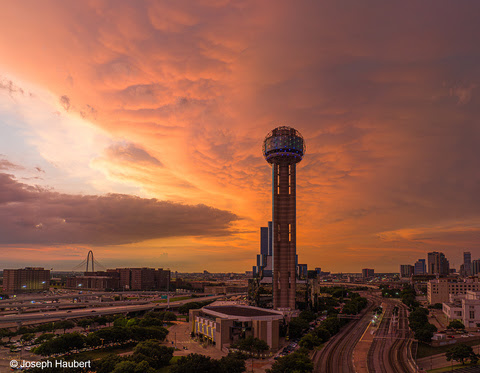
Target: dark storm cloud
{"x": 30, "y": 215}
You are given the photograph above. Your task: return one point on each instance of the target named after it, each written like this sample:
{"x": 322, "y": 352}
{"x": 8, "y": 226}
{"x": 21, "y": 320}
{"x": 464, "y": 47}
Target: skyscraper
{"x": 264, "y": 240}
{"x": 406, "y": 270}
{"x": 467, "y": 263}
{"x": 264, "y": 259}
{"x": 368, "y": 273}
{"x": 420, "y": 268}
{"x": 283, "y": 148}
{"x": 270, "y": 238}
{"x": 438, "y": 264}
{"x": 475, "y": 267}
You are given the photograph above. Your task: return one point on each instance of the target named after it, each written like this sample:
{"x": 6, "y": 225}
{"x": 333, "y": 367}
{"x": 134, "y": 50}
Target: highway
{"x": 54, "y": 297}
{"x": 337, "y": 355}
{"x": 98, "y": 311}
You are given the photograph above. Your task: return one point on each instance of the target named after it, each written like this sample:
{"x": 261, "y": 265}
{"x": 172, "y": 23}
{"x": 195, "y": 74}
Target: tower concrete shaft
{"x": 283, "y": 148}
{"x": 284, "y": 241}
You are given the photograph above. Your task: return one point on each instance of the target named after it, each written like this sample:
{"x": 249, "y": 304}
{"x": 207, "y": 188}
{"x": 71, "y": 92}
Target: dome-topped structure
{"x": 284, "y": 144}
{"x": 283, "y": 148}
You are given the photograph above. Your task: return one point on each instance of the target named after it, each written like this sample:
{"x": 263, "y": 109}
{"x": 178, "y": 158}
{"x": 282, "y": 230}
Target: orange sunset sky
{"x": 134, "y": 128}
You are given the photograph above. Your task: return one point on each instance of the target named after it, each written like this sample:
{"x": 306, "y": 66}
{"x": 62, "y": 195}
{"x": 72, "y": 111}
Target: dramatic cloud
{"x": 181, "y": 95}
{"x": 131, "y": 154}
{"x": 65, "y": 102}
{"x": 10, "y": 87}
{"x": 5, "y": 164}
{"x": 31, "y": 215}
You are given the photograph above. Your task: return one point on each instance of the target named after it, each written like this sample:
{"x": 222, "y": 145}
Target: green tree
{"x": 93, "y": 340}
{"x": 233, "y": 363}
{"x": 120, "y": 321}
{"x": 27, "y": 337}
{"x": 252, "y": 344}
{"x": 332, "y": 324}
{"x": 143, "y": 367}
{"x": 307, "y": 315}
{"x": 132, "y": 322}
{"x": 456, "y": 324}
{"x": 424, "y": 335}
{"x": 65, "y": 324}
{"x": 169, "y": 316}
{"x": 461, "y": 352}
{"x": 44, "y": 337}
{"x": 125, "y": 367}
{"x": 101, "y": 320}
{"x": 196, "y": 363}
{"x": 296, "y": 327}
{"x": 310, "y": 341}
{"x": 185, "y": 308}
{"x": 152, "y": 352}
{"x": 84, "y": 323}
{"x": 322, "y": 333}
{"x": 294, "y": 362}
{"x": 108, "y": 363}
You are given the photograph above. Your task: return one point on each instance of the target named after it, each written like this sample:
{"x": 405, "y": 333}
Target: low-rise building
{"x": 223, "y": 324}
{"x": 122, "y": 279}
{"x": 99, "y": 281}
{"x": 439, "y": 290}
{"x": 464, "y": 307}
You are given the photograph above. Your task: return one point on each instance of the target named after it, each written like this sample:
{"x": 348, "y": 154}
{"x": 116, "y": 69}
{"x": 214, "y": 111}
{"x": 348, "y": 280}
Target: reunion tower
{"x": 284, "y": 148}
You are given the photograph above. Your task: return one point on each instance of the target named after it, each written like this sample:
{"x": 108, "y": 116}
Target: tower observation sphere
{"x": 283, "y": 148}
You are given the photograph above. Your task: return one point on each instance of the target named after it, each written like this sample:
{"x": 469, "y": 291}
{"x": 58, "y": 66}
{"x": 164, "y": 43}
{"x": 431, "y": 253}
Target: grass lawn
{"x": 449, "y": 369}
{"x": 425, "y": 350}
{"x": 171, "y": 299}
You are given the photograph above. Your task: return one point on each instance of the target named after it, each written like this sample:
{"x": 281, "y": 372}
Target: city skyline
{"x": 134, "y": 129}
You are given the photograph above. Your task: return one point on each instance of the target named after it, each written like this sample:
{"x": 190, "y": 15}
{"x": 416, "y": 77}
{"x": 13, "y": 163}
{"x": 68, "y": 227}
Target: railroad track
{"x": 395, "y": 354}
{"x": 337, "y": 356}
{"x": 387, "y": 352}
{"x": 376, "y": 351}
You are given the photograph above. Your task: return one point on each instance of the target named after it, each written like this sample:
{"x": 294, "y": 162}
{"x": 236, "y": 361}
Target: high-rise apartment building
{"x": 467, "y": 263}
{"x": 29, "y": 279}
{"x": 438, "y": 264}
{"x": 475, "y": 267}
{"x": 283, "y": 148}
{"x": 420, "y": 267}
{"x": 368, "y": 273}
{"x": 406, "y": 270}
